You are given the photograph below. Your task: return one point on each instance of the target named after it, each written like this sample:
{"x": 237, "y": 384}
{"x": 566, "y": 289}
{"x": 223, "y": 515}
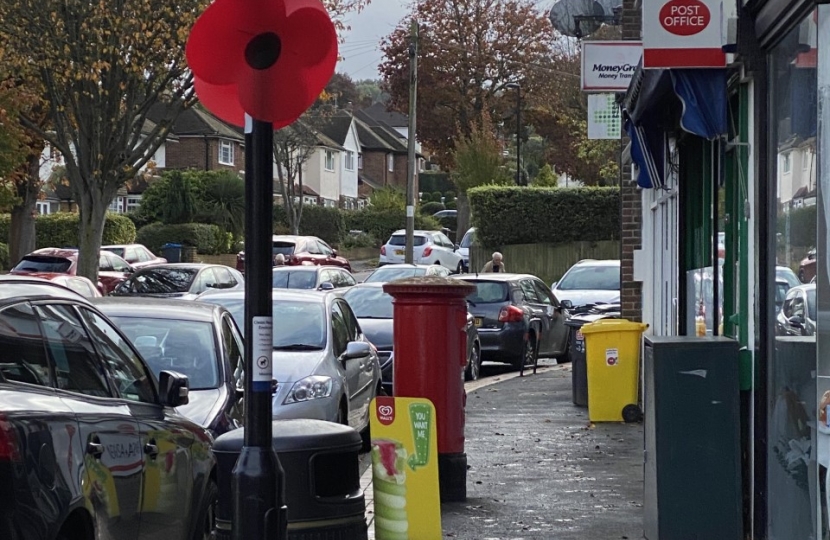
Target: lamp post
{"x": 518, "y": 89}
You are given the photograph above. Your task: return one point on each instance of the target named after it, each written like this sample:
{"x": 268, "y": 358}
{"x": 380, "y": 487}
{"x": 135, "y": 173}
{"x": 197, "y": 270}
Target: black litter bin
{"x": 322, "y": 479}
{"x": 576, "y": 353}
{"x": 172, "y": 252}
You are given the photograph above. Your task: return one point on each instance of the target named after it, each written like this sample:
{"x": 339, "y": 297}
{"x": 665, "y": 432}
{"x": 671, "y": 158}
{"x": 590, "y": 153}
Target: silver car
{"x": 391, "y": 272}
{"x": 324, "y": 366}
{"x": 590, "y": 282}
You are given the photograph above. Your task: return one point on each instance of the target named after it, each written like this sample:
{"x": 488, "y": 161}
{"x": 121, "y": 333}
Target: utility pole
{"x": 410, "y": 169}
{"x": 519, "y": 181}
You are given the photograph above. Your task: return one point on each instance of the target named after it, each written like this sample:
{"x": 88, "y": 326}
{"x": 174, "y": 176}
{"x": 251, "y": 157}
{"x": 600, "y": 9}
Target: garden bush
{"x": 359, "y": 240}
{"x": 5, "y": 263}
{"x": 802, "y": 226}
{"x": 62, "y": 229}
{"x": 432, "y": 181}
{"x": 505, "y": 215}
{"x": 380, "y": 224}
{"x": 320, "y": 221}
{"x": 427, "y": 209}
{"x": 207, "y": 239}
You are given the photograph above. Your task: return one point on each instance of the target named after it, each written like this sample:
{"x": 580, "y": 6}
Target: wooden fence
{"x": 547, "y": 261}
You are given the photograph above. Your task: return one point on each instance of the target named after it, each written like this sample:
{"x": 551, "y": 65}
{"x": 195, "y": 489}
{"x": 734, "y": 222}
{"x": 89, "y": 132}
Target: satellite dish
{"x": 579, "y": 18}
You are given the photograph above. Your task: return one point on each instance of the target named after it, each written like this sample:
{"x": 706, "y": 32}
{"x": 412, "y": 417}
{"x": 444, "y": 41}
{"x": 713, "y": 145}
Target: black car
{"x": 308, "y": 277}
{"x": 374, "y": 312}
{"x": 196, "y": 339}
{"x": 180, "y": 280}
{"x": 518, "y": 318}
{"x": 91, "y": 446}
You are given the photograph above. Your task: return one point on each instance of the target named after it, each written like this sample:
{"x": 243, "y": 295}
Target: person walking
{"x": 496, "y": 264}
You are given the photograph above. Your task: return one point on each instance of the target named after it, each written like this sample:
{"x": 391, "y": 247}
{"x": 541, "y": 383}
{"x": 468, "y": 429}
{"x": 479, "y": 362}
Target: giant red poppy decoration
{"x": 268, "y": 58}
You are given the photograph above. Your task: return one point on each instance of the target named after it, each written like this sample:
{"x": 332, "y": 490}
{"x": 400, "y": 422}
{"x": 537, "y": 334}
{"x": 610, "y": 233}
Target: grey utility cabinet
{"x": 692, "y": 453}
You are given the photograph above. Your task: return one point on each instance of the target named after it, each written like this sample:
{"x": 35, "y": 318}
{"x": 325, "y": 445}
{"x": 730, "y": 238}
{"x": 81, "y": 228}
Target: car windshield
{"x": 297, "y": 325}
{"x": 488, "y": 292}
{"x": 781, "y": 289}
{"x": 39, "y": 263}
{"x": 811, "y": 303}
{"x": 596, "y": 278}
{"x": 782, "y": 272}
{"x": 382, "y": 275}
{"x": 286, "y": 248}
{"x": 187, "y": 347}
{"x": 469, "y": 238}
{"x": 117, "y": 250}
{"x": 159, "y": 281}
{"x": 294, "y": 279}
{"x": 369, "y": 302}
{"x": 400, "y": 240}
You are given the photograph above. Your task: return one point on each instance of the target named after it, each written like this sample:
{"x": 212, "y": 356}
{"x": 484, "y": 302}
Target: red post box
{"x": 430, "y": 344}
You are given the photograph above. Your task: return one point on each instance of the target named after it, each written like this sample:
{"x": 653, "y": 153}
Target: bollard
{"x": 430, "y": 344}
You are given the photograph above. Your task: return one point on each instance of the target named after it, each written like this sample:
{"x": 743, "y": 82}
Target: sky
{"x": 361, "y": 50}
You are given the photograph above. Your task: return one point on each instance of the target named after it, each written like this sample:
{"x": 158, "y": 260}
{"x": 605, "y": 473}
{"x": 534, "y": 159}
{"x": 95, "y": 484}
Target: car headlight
{"x": 313, "y": 387}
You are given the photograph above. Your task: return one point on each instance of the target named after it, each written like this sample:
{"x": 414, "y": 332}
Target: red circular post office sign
{"x": 685, "y": 17}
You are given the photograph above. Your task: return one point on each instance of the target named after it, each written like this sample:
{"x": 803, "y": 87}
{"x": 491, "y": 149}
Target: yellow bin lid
{"x": 613, "y": 325}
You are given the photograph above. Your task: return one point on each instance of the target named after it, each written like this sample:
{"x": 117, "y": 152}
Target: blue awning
{"x": 651, "y": 97}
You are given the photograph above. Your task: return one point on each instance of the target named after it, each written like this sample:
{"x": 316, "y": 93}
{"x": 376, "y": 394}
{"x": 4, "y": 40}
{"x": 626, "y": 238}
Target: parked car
{"x": 136, "y": 254}
{"x": 374, "y": 312}
{"x": 321, "y": 278}
{"x": 391, "y": 272}
{"x": 91, "y": 444}
{"x": 464, "y": 247}
{"x": 445, "y": 214}
{"x": 429, "y": 247}
{"x": 781, "y": 289}
{"x": 518, "y": 318}
{"x": 299, "y": 250}
{"x": 807, "y": 267}
{"x": 79, "y": 284}
{"x": 798, "y": 314}
{"x": 196, "y": 339}
{"x": 325, "y": 367}
{"x": 786, "y": 274}
{"x": 47, "y": 262}
{"x": 590, "y": 282}
{"x": 180, "y": 280}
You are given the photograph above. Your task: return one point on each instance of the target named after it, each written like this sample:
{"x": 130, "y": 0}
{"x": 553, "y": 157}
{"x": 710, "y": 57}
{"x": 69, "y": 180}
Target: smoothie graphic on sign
{"x": 421, "y": 416}
{"x": 389, "y": 478}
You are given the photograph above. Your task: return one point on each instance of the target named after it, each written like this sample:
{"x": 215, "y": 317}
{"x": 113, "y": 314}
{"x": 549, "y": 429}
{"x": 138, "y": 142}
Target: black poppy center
{"x": 263, "y": 50}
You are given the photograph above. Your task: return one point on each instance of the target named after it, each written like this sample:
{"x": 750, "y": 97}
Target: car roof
{"x": 598, "y": 262}
{"x": 405, "y": 265}
{"x": 417, "y": 231}
{"x": 192, "y": 266}
{"x": 187, "y": 310}
{"x": 280, "y": 294}
{"x": 16, "y": 288}
{"x": 370, "y": 285}
{"x": 306, "y": 267}
{"x": 805, "y": 287}
{"x": 66, "y": 253}
{"x": 494, "y": 276}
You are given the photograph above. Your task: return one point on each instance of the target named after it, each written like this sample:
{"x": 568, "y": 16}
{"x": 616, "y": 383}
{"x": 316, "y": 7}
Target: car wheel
{"x": 460, "y": 269}
{"x": 528, "y": 355}
{"x": 565, "y": 357}
{"x": 473, "y": 370}
{"x": 342, "y": 416}
{"x": 206, "y": 524}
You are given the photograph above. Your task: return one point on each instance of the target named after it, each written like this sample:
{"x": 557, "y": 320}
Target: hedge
{"x": 802, "y": 226}
{"x": 382, "y": 223}
{"x": 320, "y": 221}
{"x": 62, "y": 229}
{"x": 429, "y": 208}
{"x": 208, "y": 239}
{"x": 434, "y": 181}
{"x": 505, "y": 215}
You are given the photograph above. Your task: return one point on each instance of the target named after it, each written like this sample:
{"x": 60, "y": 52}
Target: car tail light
{"x": 9, "y": 445}
{"x": 383, "y": 250}
{"x": 427, "y": 251}
{"x": 511, "y": 314}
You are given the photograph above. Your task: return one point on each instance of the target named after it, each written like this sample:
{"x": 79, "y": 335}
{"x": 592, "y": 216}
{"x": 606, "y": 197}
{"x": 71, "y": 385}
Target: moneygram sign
{"x": 607, "y": 66}
{"x": 683, "y": 34}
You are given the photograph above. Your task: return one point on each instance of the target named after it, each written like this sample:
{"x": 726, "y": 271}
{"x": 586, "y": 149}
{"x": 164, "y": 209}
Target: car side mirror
{"x": 567, "y": 304}
{"x": 456, "y": 247}
{"x": 553, "y": 285}
{"x": 326, "y": 286}
{"x": 356, "y": 349}
{"x": 174, "y": 389}
{"x": 334, "y": 253}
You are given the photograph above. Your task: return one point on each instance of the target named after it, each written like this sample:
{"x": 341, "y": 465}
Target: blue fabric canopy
{"x": 703, "y": 99}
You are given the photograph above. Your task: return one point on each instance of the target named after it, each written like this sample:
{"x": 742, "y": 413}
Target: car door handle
{"x": 151, "y": 449}
{"x": 95, "y": 449}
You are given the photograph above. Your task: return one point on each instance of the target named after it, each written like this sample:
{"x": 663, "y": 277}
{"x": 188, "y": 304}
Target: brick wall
{"x": 631, "y": 201}
{"x": 374, "y": 166}
{"x": 189, "y": 153}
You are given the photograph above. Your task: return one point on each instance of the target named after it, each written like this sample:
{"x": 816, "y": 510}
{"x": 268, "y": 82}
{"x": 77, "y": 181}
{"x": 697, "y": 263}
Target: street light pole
{"x": 518, "y": 88}
{"x": 409, "y": 248}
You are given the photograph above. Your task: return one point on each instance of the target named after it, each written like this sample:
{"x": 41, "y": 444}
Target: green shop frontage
{"x": 734, "y": 170}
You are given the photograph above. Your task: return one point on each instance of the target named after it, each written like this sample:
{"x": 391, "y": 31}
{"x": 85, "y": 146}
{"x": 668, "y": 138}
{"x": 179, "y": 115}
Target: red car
{"x": 136, "y": 255}
{"x": 47, "y": 262}
{"x": 299, "y": 250}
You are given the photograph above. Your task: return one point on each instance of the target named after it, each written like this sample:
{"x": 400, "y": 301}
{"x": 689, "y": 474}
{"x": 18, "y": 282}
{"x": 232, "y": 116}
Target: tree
{"x": 293, "y": 146}
{"x": 478, "y": 160}
{"x": 469, "y": 51}
{"x": 180, "y": 202}
{"x": 103, "y": 66}
{"x": 545, "y": 178}
{"x": 223, "y": 202}
{"x": 342, "y": 91}
{"x": 388, "y": 198}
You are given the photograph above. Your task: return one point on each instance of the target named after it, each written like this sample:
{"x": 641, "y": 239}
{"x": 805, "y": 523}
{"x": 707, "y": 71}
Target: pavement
{"x": 537, "y": 468}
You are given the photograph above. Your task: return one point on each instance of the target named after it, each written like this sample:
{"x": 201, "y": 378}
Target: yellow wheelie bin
{"x": 612, "y": 348}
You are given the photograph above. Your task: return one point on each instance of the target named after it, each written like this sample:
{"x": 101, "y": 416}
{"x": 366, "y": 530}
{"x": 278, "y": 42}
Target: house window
{"x": 115, "y": 205}
{"x": 390, "y": 162}
{"x": 133, "y": 203}
{"x": 349, "y": 160}
{"x": 329, "y": 160}
{"x": 806, "y": 159}
{"x": 226, "y": 152}
{"x": 310, "y": 200}
{"x": 421, "y": 165}
{"x": 360, "y": 162}
{"x": 785, "y": 163}
{"x": 44, "y": 208}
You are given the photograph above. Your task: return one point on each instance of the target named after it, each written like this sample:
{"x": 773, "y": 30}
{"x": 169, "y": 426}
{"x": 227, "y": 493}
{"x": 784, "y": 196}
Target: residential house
{"x": 342, "y": 129}
{"x": 385, "y": 154}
